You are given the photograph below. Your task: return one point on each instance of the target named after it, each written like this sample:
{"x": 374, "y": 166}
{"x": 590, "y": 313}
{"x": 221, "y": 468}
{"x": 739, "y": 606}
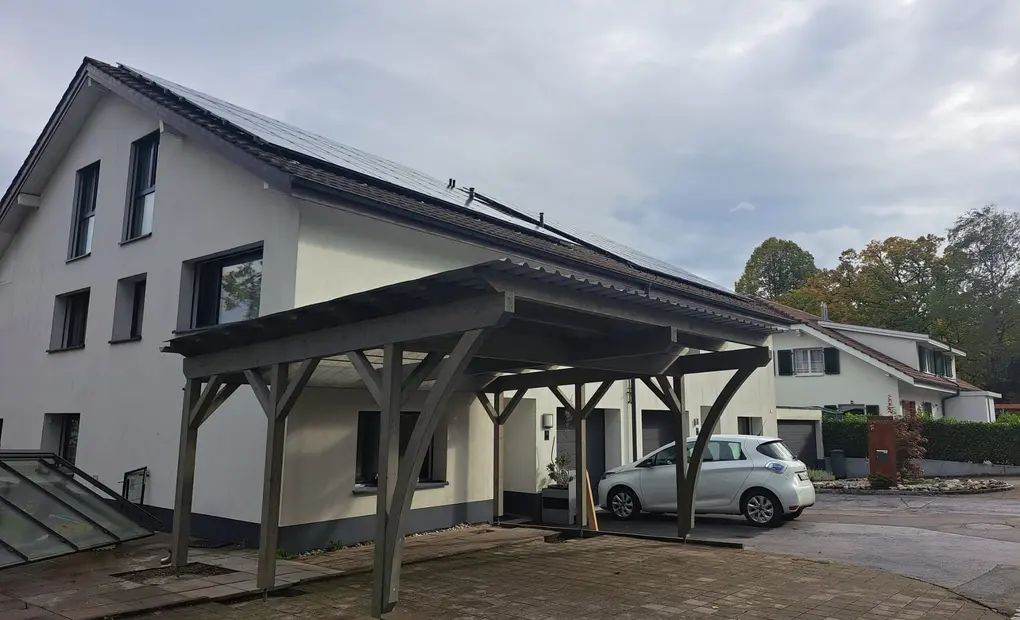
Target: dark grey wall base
{"x": 209, "y": 527}
{"x": 523, "y": 505}
{"x": 309, "y": 536}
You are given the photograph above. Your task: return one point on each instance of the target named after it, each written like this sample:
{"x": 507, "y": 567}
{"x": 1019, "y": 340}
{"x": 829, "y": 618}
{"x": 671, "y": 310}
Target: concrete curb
{"x": 573, "y": 532}
{"x": 1008, "y": 487}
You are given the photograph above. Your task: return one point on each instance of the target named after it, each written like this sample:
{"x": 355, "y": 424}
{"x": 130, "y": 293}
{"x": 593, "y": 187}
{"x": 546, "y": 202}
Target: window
{"x": 70, "y": 317}
{"x": 776, "y": 450}
{"x": 367, "y": 464}
{"x": 926, "y": 407}
{"x": 86, "y": 189}
{"x": 128, "y": 309}
{"x": 228, "y": 289}
{"x": 808, "y": 362}
{"x": 925, "y": 360}
{"x": 872, "y": 409}
{"x": 749, "y": 426}
{"x": 144, "y": 154}
{"x": 60, "y": 435}
{"x": 666, "y": 456}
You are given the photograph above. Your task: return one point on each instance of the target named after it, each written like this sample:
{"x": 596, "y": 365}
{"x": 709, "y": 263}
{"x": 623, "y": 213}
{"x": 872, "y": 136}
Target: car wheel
{"x": 790, "y": 516}
{"x": 761, "y": 508}
{"x": 623, "y": 504}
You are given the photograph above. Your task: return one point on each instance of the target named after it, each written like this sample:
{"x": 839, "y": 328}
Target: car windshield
{"x": 777, "y": 450}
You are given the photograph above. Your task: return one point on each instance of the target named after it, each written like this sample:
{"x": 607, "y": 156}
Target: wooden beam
{"x": 626, "y": 310}
{"x": 258, "y": 385}
{"x": 368, "y": 374}
{"x": 490, "y": 410}
{"x": 470, "y": 314}
{"x": 206, "y": 399}
{"x": 560, "y": 396}
{"x": 221, "y": 397}
{"x": 420, "y": 373}
{"x": 185, "y": 486}
{"x": 593, "y": 402}
{"x": 384, "y": 592}
{"x": 684, "y": 365}
{"x": 581, "y": 456}
{"x": 286, "y": 402}
{"x": 272, "y": 481}
{"x": 511, "y": 406}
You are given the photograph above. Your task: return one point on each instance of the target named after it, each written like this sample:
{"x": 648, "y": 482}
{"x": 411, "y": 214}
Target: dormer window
{"x": 934, "y": 362}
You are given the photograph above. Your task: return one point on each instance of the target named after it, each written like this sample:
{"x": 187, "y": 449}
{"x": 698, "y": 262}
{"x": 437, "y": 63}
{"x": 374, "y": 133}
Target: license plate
{"x": 802, "y": 475}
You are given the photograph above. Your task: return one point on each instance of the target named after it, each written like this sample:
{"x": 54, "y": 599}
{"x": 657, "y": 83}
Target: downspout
{"x": 947, "y": 398}
{"x": 632, "y": 391}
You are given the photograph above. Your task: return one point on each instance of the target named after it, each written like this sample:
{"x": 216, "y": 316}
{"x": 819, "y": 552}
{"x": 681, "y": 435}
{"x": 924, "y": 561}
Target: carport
{"x": 494, "y": 328}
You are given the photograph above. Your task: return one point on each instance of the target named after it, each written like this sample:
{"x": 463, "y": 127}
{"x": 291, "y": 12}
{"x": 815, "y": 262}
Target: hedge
{"x": 948, "y": 440}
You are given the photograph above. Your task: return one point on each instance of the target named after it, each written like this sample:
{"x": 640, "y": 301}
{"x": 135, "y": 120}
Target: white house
{"x": 147, "y": 209}
{"x": 850, "y": 368}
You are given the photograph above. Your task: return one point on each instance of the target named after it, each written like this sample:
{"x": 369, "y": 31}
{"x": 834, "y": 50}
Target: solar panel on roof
{"x": 310, "y": 144}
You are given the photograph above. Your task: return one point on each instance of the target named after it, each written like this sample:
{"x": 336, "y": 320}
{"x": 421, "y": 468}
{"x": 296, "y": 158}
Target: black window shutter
{"x": 831, "y": 361}
{"x": 784, "y": 362}
{"x": 871, "y": 409}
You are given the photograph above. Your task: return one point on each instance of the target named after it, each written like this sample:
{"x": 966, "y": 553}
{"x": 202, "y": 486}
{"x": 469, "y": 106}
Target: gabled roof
{"x": 822, "y": 327}
{"x": 304, "y": 164}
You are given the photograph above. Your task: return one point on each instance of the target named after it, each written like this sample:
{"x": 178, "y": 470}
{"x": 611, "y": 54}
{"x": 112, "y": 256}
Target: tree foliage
{"x": 963, "y": 288}
{"x": 775, "y": 268}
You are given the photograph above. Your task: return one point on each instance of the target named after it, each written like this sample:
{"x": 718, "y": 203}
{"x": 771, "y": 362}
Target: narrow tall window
{"x": 128, "y": 309}
{"x": 144, "y": 154}
{"x": 86, "y": 189}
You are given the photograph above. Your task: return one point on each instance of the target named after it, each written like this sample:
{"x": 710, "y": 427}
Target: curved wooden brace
{"x": 685, "y": 503}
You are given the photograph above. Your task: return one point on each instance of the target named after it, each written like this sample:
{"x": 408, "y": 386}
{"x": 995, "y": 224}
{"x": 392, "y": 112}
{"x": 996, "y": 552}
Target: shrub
{"x": 558, "y": 471}
{"x": 909, "y": 446}
{"x": 819, "y": 475}
{"x": 948, "y": 440}
{"x": 973, "y": 442}
{"x": 1012, "y": 419}
{"x": 881, "y": 481}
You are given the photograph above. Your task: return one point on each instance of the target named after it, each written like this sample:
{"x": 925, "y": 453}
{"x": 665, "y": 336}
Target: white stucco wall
{"x": 129, "y": 395}
{"x": 971, "y": 407}
{"x": 858, "y": 382}
{"x": 920, "y": 395}
{"x": 321, "y": 452}
{"x": 900, "y": 349}
{"x": 340, "y": 253}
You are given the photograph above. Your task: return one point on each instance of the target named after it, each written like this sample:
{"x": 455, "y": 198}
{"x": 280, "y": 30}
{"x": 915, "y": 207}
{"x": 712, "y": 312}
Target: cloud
{"x": 743, "y": 206}
{"x": 646, "y": 121}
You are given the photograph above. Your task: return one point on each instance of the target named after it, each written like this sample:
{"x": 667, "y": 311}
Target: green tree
{"x": 897, "y": 282}
{"x": 982, "y": 303}
{"x": 775, "y": 268}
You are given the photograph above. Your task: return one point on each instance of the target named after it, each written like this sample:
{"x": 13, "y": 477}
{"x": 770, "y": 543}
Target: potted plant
{"x": 556, "y": 500}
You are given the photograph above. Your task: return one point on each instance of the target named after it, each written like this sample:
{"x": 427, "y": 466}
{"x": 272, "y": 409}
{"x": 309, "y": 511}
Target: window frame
{"x": 138, "y": 291}
{"x": 811, "y": 364}
{"x": 201, "y": 287}
{"x": 139, "y": 190}
{"x": 63, "y": 328}
{"x": 86, "y": 196}
{"x": 427, "y": 474}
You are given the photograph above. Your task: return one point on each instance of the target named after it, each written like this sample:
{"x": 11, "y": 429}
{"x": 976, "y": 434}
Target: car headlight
{"x": 605, "y": 475}
{"x": 777, "y": 468}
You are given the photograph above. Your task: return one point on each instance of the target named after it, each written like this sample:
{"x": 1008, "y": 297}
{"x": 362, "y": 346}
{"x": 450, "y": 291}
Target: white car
{"x": 757, "y": 477}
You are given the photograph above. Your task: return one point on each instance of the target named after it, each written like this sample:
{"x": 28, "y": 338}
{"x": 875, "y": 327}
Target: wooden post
{"x": 272, "y": 484}
{"x": 185, "y": 489}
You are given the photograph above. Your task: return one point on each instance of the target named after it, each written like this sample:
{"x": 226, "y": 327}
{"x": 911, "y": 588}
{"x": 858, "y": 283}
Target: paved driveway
{"x": 613, "y": 578}
{"x": 970, "y": 544}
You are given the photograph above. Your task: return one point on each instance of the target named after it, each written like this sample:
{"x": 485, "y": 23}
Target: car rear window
{"x": 777, "y": 450}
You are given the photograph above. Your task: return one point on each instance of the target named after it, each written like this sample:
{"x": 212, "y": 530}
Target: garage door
{"x": 656, "y": 430}
{"x": 799, "y": 436}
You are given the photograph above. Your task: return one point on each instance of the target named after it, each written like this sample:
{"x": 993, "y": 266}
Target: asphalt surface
{"x": 969, "y": 544}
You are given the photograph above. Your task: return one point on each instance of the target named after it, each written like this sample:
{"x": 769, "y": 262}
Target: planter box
{"x": 557, "y": 506}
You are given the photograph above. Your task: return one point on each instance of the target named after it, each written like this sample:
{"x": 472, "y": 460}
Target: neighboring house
{"x": 1006, "y": 408}
{"x": 854, "y": 369}
{"x": 146, "y": 208}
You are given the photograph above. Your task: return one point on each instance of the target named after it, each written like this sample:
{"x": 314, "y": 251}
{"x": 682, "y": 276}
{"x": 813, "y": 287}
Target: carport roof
{"x": 463, "y": 284}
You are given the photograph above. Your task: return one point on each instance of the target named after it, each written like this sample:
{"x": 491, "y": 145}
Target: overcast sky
{"x": 689, "y": 129}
